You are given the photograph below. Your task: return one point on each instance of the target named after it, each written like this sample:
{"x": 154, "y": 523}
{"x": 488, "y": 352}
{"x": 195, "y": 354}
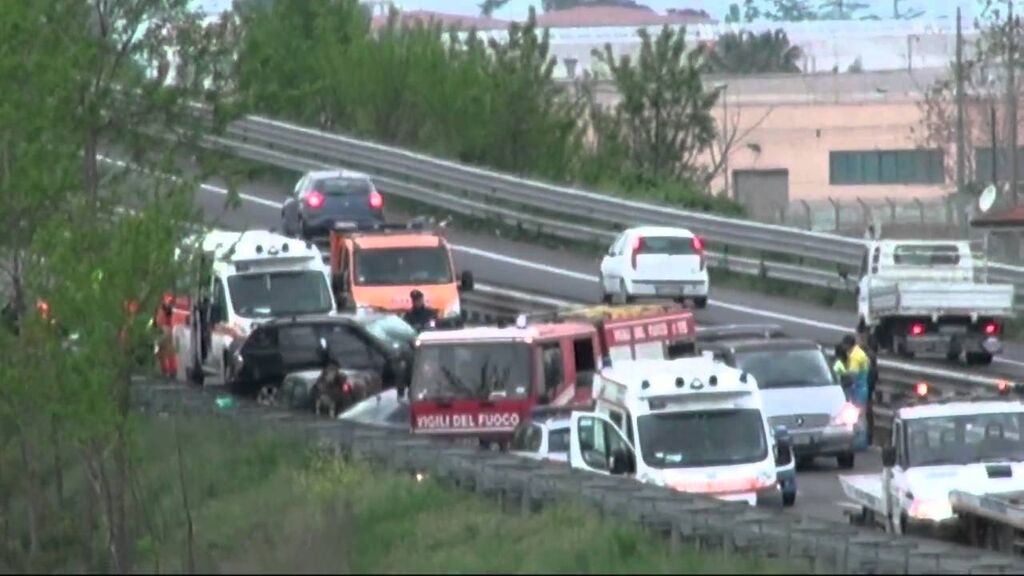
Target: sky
{"x": 517, "y": 9}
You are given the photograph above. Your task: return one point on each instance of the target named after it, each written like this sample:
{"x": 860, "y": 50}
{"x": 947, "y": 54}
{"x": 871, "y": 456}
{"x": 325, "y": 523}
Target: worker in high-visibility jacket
{"x": 859, "y": 366}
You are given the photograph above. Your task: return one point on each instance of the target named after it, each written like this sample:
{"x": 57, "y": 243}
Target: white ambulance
{"x": 692, "y": 424}
{"x": 236, "y": 280}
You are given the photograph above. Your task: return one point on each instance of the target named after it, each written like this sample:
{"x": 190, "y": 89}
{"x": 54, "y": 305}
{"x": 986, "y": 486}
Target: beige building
{"x": 828, "y": 136}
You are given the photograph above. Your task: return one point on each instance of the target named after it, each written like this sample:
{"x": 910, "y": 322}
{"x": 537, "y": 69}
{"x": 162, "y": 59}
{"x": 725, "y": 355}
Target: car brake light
{"x": 638, "y": 243}
{"x": 314, "y": 200}
{"x": 917, "y": 329}
{"x": 346, "y": 388}
{"x": 376, "y": 200}
{"x": 991, "y": 329}
{"x": 921, "y": 389}
{"x": 848, "y": 415}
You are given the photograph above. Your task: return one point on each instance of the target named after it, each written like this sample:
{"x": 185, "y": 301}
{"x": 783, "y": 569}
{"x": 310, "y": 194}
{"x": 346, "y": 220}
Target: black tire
{"x": 701, "y": 303}
{"x": 788, "y": 498}
{"x": 846, "y": 461}
{"x": 979, "y": 358}
{"x": 953, "y": 356}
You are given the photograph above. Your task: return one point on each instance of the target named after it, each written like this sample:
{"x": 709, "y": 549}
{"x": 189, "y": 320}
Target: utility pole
{"x": 995, "y": 155}
{"x": 960, "y": 140}
{"x": 1011, "y": 94}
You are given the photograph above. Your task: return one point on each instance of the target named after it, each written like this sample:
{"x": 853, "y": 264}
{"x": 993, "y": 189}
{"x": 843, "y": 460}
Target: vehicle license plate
{"x": 668, "y": 290}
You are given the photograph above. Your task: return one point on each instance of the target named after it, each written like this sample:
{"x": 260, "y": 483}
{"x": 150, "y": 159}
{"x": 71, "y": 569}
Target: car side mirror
{"x": 622, "y": 463}
{"x": 888, "y": 456}
{"x": 466, "y": 281}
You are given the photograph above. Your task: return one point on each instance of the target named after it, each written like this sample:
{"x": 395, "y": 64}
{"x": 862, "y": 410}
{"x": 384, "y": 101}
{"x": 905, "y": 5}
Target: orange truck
{"x": 379, "y": 265}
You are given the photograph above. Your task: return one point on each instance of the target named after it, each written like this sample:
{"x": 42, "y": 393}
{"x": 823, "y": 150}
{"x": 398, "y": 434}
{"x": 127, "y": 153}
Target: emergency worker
{"x": 419, "y": 316}
{"x": 839, "y": 365}
{"x": 859, "y": 366}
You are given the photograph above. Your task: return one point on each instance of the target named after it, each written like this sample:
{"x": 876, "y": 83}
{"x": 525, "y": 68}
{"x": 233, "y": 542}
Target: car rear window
{"x": 344, "y": 186}
{"x": 667, "y": 245}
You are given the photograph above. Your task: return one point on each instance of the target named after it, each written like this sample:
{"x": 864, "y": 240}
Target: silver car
{"x": 800, "y": 392}
{"x": 543, "y": 438}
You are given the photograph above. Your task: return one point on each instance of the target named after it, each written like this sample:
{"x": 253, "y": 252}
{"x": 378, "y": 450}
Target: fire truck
{"x": 480, "y": 382}
{"x": 236, "y": 280}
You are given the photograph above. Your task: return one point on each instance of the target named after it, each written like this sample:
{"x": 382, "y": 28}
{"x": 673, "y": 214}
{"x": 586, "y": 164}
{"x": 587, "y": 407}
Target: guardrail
{"x": 523, "y": 486}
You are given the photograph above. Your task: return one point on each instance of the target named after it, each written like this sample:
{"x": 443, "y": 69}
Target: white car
{"x": 655, "y": 262}
{"x": 543, "y": 437}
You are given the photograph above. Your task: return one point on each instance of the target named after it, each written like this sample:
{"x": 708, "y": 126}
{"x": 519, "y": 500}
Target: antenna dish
{"x": 988, "y": 198}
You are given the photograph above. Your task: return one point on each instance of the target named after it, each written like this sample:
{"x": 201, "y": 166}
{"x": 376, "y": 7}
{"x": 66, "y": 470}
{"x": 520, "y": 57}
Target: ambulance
{"x": 378, "y": 266}
{"x": 692, "y": 424}
{"x": 237, "y": 280}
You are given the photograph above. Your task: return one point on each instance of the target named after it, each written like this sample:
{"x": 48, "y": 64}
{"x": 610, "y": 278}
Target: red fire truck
{"x": 480, "y": 382}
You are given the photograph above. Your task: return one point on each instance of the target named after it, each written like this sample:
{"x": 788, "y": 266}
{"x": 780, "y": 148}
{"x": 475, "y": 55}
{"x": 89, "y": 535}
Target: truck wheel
{"x": 979, "y": 358}
{"x": 846, "y": 461}
{"x": 701, "y": 302}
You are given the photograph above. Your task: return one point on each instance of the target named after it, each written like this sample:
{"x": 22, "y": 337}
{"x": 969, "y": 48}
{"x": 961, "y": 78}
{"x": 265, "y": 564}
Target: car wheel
{"x": 789, "y": 497}
{"x": 846, "y": 461}
{"x": 979, "y": 358}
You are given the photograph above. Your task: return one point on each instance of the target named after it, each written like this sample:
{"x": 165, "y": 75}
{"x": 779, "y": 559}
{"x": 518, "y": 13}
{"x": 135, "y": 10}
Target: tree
{"x": 663, "y": 120}
{"x": 985, "y": 89}
{"x": 748, "y": 53}
{"x": 487, "y": 7}
{"x": 840, "y": 9}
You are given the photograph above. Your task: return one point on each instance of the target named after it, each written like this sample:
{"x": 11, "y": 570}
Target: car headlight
{"x": 848, "y": 415}
{"x": 935, "y": 510}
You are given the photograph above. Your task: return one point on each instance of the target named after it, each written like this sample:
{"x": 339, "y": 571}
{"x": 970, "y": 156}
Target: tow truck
{"x": 379, "y": 265}
{"x": 482, "y": 381}
{"x": 966, "y": 447}
{"x": 693, "y": 424}
{"x": 236, "y": 280}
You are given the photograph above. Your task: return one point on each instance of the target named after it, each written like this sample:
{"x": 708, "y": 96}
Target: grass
{"x": 265, "y": 504}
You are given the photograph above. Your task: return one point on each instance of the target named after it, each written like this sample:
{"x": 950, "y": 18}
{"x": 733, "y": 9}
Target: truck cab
{"x": 237, "y": 280}
{"x": 972, "y": 445}
{"x": 481, "y": 382}
{"x": 692, "y": 424}
{"x": 378, "y": 266}
{"x": 922, "y": 297}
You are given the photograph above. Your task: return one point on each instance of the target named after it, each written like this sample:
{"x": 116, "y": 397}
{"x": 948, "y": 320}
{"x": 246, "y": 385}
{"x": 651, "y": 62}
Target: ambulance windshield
{"x": 468, "y": 370}
{"x": 705, "y": 438}
{"x": 272, "y": 294}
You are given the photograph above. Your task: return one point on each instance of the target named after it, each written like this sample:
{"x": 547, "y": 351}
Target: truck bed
{"x": 865, "y": 490}
{"x": 919, "y": 298}
{"x": 1006, "y": 508}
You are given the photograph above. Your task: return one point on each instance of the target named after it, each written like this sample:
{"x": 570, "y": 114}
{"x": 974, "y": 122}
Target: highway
{"x": 571, "y": 276}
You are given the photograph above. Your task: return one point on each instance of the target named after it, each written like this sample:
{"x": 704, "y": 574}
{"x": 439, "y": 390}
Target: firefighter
{"x": 859, "y": 366}
{"x": 418, "y": 316}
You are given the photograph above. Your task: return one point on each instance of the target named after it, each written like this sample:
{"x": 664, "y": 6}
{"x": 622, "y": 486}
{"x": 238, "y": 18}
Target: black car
{"x": 323, "y": 198}
{"x": 380, "y": 345}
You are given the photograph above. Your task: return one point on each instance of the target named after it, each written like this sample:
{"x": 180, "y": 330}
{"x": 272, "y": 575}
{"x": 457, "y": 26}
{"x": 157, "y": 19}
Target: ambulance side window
{"x": 551, "y": 358}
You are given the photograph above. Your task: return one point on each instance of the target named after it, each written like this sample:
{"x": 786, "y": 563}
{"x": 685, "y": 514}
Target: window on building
{"x": 850, "y": 167}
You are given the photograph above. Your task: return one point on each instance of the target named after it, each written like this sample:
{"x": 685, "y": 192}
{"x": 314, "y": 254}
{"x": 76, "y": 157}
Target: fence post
{"x": 892, "y": 209}
{"x": 835, "y": 208}
{"x": 782, "y": 209}
{"x": 920, "y": 208}
{"x": 867, "y": 211}
{"x": 810, "y": 216}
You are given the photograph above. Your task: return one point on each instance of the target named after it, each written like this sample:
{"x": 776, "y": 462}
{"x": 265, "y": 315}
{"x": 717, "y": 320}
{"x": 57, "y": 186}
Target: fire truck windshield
{"x": 481, "y": 371}
{"x": 704, "y": 438}
{"x": 402, "y": 266}
{"x": 269, "y": 294}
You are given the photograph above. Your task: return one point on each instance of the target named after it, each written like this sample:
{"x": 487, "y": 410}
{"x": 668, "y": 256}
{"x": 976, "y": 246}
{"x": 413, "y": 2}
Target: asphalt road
{"x": 571, "y": 276}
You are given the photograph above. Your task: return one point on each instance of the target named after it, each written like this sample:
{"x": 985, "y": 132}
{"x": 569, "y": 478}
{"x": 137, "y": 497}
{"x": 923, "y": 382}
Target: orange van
{"x": 379, "y": 265}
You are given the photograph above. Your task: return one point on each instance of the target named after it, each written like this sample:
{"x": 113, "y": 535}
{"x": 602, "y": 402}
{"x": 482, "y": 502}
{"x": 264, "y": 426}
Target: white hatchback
{"x": 656, "y": 262}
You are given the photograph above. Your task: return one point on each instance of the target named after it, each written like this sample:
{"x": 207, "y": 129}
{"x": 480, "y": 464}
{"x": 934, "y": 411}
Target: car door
{"x": 597, "y": 445}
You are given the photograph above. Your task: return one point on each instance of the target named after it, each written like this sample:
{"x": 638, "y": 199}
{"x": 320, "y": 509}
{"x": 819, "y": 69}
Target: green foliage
{"x": 663, "y": 121}
{"x": 749, "y": 53}
{"x": 803, "y": 10}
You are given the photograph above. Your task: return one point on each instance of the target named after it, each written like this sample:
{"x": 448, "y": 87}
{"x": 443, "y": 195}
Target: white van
{"x": 692, "y": 424}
